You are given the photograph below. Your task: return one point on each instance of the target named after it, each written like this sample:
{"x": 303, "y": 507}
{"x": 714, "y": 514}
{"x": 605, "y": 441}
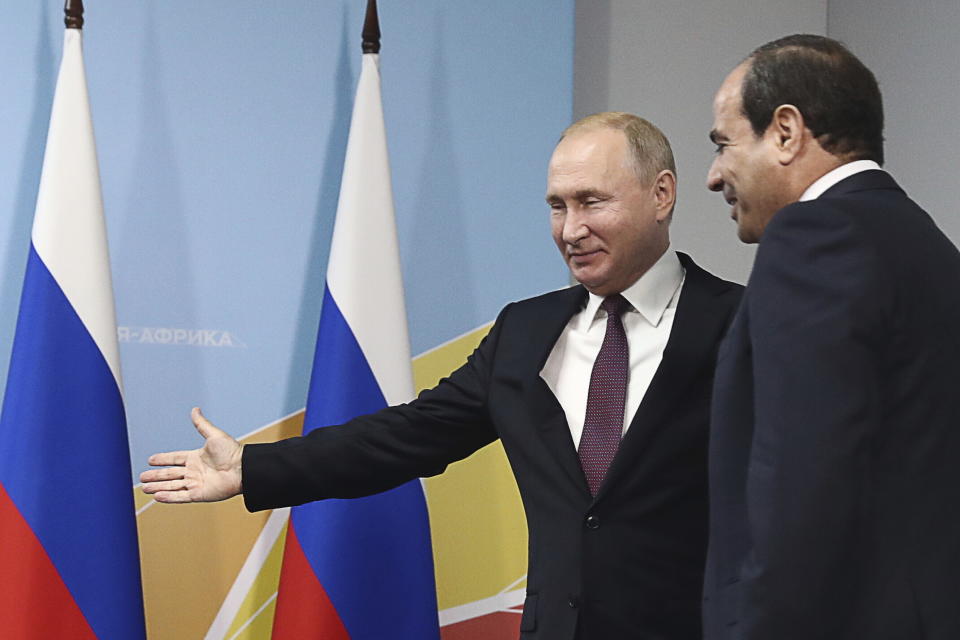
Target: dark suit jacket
{"x": 626, "y": 564}
{"x": 835, "y": 446}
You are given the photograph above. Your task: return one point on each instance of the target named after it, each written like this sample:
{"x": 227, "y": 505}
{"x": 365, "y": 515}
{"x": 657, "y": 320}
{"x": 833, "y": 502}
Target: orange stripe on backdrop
{"x": 34, "y": 601}
{"x": 502, "y": 624}
{"x": 294, "y": 621}
{"x": 191, "y": 554}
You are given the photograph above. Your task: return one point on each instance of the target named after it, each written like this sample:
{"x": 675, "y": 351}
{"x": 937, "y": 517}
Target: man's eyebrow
{"x": 580, "y": 194}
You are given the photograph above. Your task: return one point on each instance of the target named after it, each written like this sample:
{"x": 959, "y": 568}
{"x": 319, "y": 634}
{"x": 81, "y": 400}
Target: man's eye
{"x": 592, "y": 201}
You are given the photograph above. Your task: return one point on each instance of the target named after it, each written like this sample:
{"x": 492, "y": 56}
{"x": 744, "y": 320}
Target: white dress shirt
{"x": 647, "y": 324}
{"x": 831, "y": 178}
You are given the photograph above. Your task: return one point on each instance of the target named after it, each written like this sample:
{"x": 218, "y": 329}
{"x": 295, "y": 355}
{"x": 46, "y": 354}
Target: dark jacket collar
{"x": 697, "y": 328}
{"x": 863, "y": 181}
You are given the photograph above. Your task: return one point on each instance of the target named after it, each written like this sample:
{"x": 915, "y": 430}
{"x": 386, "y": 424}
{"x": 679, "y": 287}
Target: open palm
{"x": 207, "y": 474}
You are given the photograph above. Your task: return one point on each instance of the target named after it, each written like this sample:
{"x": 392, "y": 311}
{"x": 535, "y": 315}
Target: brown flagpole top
{"x": 371, "y": 29}
{"x": 73, "y": 14}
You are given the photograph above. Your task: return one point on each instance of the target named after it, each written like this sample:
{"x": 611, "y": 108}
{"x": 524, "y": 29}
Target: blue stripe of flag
{"x": 372, "y": 555}
{"x": 64, "y": 457}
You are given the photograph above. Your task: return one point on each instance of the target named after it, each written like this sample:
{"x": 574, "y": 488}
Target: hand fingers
{"x": 204, "y": 426}
{"x": 173, "y": 496}
{"x": 169, "y": 485}
{"x": 169, "y": 459}
{"x": 156, "y": 475}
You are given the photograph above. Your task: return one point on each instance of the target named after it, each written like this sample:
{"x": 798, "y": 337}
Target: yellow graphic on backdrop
{"x": 211, "y": 571}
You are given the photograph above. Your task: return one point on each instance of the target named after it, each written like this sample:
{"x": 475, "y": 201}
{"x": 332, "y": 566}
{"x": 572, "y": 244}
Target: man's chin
{"x": 747, "y": 235}
{"x": 596, "y": 286}
{"x": 580, "y": 278}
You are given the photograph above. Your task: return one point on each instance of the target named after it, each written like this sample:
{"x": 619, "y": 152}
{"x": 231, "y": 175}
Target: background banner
{"x": 221, "y": 129}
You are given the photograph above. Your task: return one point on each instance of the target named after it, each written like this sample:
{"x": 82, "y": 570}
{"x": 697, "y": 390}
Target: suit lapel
{"x": 545, "y": 409}
{"x": 691, "y": 346}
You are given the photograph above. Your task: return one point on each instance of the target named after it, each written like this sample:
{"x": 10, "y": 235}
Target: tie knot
{"x": 615, "y": 305}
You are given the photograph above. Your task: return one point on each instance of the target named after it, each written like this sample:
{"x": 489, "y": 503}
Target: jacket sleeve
{"x": 816, "y": 312}
{"x": 376, "y": 452}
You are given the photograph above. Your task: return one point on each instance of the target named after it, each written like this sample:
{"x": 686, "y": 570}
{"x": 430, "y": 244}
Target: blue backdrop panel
{"x": 221, "y": 127}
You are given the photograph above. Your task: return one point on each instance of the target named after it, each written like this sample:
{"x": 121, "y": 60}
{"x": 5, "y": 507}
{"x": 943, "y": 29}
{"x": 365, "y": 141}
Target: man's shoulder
{"x": 700, "y": 279}
{"x": 862, "y": 199}
{"x": 532, "y": 318}
{"x": 861, "y": 207}
{"x": 563, "y": 299}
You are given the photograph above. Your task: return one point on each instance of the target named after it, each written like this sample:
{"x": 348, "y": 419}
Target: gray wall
{"x": 913, "y": 49}
{"x": 664, "y": 61}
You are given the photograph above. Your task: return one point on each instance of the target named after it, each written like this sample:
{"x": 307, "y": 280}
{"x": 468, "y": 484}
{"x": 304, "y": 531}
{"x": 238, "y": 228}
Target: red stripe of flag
{"x": 309, "y": 614}
{"x": 34, "y": 601}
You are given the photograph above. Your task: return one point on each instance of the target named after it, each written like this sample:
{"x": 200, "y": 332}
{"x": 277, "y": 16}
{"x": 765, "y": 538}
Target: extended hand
{"x": 208, "y": 474}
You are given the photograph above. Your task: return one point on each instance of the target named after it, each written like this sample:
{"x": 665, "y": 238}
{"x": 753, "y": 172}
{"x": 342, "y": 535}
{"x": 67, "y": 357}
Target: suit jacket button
{"x": 574, "y": 602}
{"x": 593, "y": 522}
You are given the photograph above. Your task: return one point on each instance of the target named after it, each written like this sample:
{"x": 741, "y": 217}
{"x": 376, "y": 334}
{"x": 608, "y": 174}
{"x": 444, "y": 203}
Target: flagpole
{"x": 371, "y": 29}
{"x": 73, "y": 14}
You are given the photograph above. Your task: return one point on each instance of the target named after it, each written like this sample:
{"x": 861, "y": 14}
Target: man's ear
{"x": 787, "y": 130}
{"x": 665, "y": 193}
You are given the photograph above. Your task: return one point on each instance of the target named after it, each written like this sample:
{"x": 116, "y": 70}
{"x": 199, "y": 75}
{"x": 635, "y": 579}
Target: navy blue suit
{"x": 835, "y": 444}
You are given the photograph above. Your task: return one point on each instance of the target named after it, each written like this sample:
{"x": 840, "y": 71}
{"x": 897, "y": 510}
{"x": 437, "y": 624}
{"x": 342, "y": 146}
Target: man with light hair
{"x": 650, "y": 150}
{"x": 598, "y": 392}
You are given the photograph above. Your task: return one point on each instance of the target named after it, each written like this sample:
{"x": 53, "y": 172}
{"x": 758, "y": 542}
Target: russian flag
{"x": 360, "y": 569}
{"x": 70, "y": 567}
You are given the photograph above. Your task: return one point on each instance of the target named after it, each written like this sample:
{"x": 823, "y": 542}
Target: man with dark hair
{"x": 837, "y": 95}
{"x": 598, "y": 392}
{"x": 835, "y": 442}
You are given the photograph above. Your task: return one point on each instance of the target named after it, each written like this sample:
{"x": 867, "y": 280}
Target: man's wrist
{"x": 240, "y": 471}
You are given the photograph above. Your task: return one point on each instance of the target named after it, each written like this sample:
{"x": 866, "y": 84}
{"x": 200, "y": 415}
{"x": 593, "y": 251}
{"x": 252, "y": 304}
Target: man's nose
{"x": 574, "y": 228}
{"x": 714, "y": 181}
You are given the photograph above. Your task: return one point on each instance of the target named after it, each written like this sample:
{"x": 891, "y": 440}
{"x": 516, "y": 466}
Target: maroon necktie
{"x": 603, "y": 425}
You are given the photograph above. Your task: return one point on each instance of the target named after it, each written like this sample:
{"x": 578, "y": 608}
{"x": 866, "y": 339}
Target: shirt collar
{"x": 650, "y": 295}
{"x": 831, "y": 178}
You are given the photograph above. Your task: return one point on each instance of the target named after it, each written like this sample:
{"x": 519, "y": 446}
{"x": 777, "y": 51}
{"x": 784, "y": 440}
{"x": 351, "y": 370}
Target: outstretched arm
{"x": 208, "y": 474}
